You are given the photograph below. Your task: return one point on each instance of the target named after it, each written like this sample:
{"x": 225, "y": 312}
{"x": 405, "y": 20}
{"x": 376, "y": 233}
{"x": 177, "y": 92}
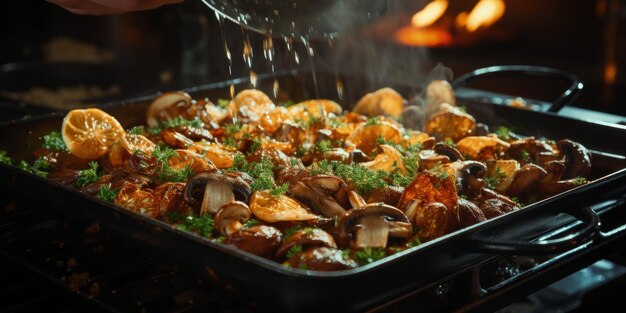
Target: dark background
{"x": 181, "y": 45}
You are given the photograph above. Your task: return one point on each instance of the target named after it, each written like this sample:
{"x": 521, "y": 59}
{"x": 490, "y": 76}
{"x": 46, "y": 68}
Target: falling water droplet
{"x": 253, "y": 78}
{"x": 232, "y": 90}
{"x": 339, "y": 84}
{"x": 276, "y": 87}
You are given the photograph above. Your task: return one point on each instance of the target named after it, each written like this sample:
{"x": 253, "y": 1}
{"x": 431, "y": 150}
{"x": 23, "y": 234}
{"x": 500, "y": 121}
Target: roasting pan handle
{"x": 591, "y": 227}
{"x": 566, "y": 98}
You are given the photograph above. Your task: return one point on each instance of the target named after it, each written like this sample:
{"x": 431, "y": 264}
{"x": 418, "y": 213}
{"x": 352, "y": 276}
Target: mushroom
{"x": 577, "y": 159}
{"x": 525, "y": 178}
{"x": 388, "y": 195}
{"x": 372, "y": 224}
{"x": 482, "y": 147}
{"x": 384, "y": 101}
{"x": 215, "y": 189}
{"x": 469, "y": 213}
{"x": 175, "y": 139}
{"x": 437, "y": 93}
{"x": 530, "y": 150}
{"x": 169, "y": 196}
{"x": 261, "y": 240}
{"x": 250, "y": 105}
{"x": 231, "y": 216}
{"x": 428, "y": 187}
{"x": 429, "y": 158}
{"x": 413, "y": 117}
{"x": 322, "y": 259}
{"x": 271, "y": 209}
{"x": 389, "y": 161}
{"x": 306, "y": 238}
{"x": 434, "y": 220}
{"x": 470, "y": 178}
{"x": 221, "y": 156}
{"x": 356, "y": 201}
{"x": 544, "y": 190}
{"x": 503, "y": 171}
{"x": 496, "y": 207}
{"x": 365, "y": 136}
{"x": 328, "y": 195}
{"x": 451, "y": 152}
{"x": 554, "y": 170}
{"x": 316, "y": 108}
{"x": 451, "y": 123}
{"x": 166, "y": 106}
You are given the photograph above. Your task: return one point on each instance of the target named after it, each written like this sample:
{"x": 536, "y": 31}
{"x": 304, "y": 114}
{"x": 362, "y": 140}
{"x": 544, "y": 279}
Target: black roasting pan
{"x": 362, "y": 288}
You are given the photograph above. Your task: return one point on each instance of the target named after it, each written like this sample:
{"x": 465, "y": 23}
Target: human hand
{"x": 103, "y": 7}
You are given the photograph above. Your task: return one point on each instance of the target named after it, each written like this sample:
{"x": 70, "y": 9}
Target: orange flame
{"x": 430, "y": 13}
{"x": 485, "y": 13}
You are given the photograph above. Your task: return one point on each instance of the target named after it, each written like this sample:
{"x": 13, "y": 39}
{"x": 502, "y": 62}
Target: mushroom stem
{"x": 400, "y": 229}
{"x": 373, "y": 231}
{"x": 356, "y": 201}
{"x": 216, "y": 194}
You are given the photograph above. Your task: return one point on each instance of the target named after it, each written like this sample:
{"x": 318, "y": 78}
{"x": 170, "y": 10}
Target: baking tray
{"x": 290, "y": 289}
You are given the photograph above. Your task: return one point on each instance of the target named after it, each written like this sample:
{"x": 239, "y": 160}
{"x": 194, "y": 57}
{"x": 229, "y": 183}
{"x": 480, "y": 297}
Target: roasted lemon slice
{"x": 89, "y": 133}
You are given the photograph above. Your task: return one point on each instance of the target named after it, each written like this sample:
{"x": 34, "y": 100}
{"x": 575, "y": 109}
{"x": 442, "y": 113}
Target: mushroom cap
{"x": 262, "y": 240}
{"x": 166, "y": 106}
{"x": 389, "y": 161}
{"x": 577, "y": 159}
{"x": 469, "y": 213}
{"x": 429, "y": 158}
{"x": 384, "y": 101}
{"x": 389, "y": 195}
{"x": 451, "y": 152}
{"x": 496, "y": 207}
{"x": 327, "y": 194}
{"x": 231, "y": 216}
{"x": 525, "y": 178}
{"x": 504, "y": 171}
{"x": 482, "y": 147}
{"x": 428, "y": 187}
{"x": 308, "y": 237}
{"x": 434, "y": 220}
{"x": 470, "y": 177}
{"x": 322, "y": 259}
{"x": 450, "y": 122}
{"x": 365, "y": 135}
{"x": 271, "y": 209}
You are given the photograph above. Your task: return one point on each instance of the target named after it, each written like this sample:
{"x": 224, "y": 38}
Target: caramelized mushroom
{"x": 482, "y": 148}
{"x": 306, "y": 238}
{"x": 322, "y": 259}
{"x": 429, "y": 158}
{"x": 525, "y": 178}
{"x": 577, "y": 159}
{"x": 215, "y": 189}
{"x": 389, "y": 161}
{"x": 385, "y": 101}
{"x": 451, "y": 123}
{"x": 388, "y": 195}
{"x": 434, "y": 220}
{"x": 469, "y": 213}
{"x": 271, "y": 209}
{"x": 231, "y": 216}
{"x": 261, "y": 240}
{"x": 373, "y": 224}
{"x": 166, "y": 106}
{"x": 451, "y": 152}
{"x": 327, "y": 195}
{"x": 496, "y": 207}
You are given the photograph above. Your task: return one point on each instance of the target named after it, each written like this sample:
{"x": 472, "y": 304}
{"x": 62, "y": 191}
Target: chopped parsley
{"x": 137, "y": 130}
{"x": 223, "y": 103}
{"x": 579, "y": 181}
{"x": 324, "y": 146}
{"x": 369, "y": 255}
{"x": 414, "y": 242}
{"x": 525, "y": 156}
{"x": 262, "y": 172}
{"x": 372, "y": 121}
{"x": 336, "y": 122}
{"x": 251, "y": 223}
{"x": 164, "y": 172}
{"x": 449, "y": 142}
{"x": 230, "y": 142}
{"x": 40, "y": 167}
{"x": 287, "y": 103}
{"x": 202, "y": 225}
{"x": 175, "y": 122}
{"x": 290, "y": 231}
{"x": 363, "y": 179}
{"x": 294, "y": 251}
{"x": 256, "y": 143}
{"x": 280, "y": 190}
{"x": 232, "y": 128}
{"x": 54, "y": 141}
{"x": 4, "y": 158}
{"x": 107, "y": 194}
{"x": 504, "y": 133}
{"x": 88, "y": 176}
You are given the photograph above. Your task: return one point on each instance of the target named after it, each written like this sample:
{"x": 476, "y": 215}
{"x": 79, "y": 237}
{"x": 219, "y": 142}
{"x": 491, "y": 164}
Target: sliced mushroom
{"x": 554, "y": 170}
{"x": 365, "y": 136}
{"x": 231, "y": 216}
{"x": 169, "y": 196}
{"x": 429, "y": 158}
{"x": 166, "y": 106}
{"x": 215, "y": 189}
{"x": 451, "y": 152}
{"x": 389, "y": 161}
{"x": 356, "y": 201}
{"x": 175, "y": 139}
{"x": 577, "y": 159}
{"x": 322, "y": 259}
{"x": 306, "y": 238}
{"x": 503, "y": 171}
{"x": 482, "y": 148}
{"x": 385, "y": 101}
{"x": 327, "y": 195}
{"x": 469, "y": 213}
{"x": 373, "y": 224}
{"x": 271, "y": 209}
{"x": 531, "y": 150}
{"x": 261, "y": 240}
{"x": 428, "y": 187}
{"x": 451, "y": 123}
{"x": 525, "y": 178}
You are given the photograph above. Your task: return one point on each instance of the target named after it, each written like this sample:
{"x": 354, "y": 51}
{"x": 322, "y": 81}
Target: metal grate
{"x": 97, "y": 273}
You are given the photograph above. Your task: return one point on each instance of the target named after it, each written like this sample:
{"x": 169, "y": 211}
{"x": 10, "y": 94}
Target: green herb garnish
{"x": 579, "y": 181}
{"x": 294, "y": 251}
{"x": 525, "y": 156}
{"x": 54, "y": 141}
{"x": 202, "y": 225}
{"x": 107, "y": 194}
{"x": 504, "y": 133}
{"x": 369, "y": 255}
{"x": 223, "y": 103}
{"x": 175, "y": 122}
{"x": 324, "y": 146}
{"x": 280, "y": 190}
{"x": 40, "y": 167}
{"x": 88, "y": 176}
{"x": 164, "y": 172}
{"x": 4, "y": 157}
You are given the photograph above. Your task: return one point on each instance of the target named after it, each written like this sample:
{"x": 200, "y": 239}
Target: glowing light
{"x": 430, "y": 13}
{"x": 610, "y": 73}
{"x": 485, "y": 13}
{"x": 413, "y": 36}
